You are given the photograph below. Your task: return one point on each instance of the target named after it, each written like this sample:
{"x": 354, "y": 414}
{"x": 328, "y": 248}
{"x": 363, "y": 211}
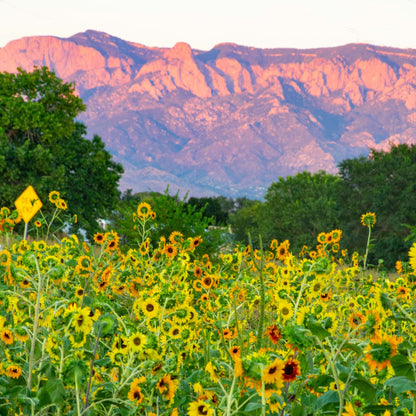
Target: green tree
{"x": 218, "y": 208}
{"x": 42, "y": 144}
{"x": 245, "y": 220}
{"x": 383, "y": 183}
{"x": 298, "y": 208}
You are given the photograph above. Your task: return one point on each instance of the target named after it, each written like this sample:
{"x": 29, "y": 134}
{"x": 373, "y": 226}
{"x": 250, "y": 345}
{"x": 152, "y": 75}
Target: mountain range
{"x": 231, "y": 120}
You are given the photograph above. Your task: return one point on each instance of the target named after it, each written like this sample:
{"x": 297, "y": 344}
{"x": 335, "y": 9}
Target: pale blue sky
{"x": 203, "y": 24}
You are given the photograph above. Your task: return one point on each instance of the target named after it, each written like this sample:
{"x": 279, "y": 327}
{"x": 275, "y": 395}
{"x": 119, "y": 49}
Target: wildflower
{"x": 368, "y": 219}
{"x": 167, "y": 386}
{"x": 200, "y": 408}
{"x": 137, "y": 342}
{"x": 196, "y": 241}
{"x": 14, "y": 371}
{"x": 144, "y": 210}
{"x": 6, "y": 336}
{"x": 82, "y": 321}
{"x": 273, "y": 373}
{"x": 235, "y": 352}
{"x": 380, "y": 350}
{"x": 356, "y": 319}
{"x": 283, "y": 250}
{"x": 291, "y": 369}
{"x": 5, "y": 258}
{"x": 349, "y": 410}
{"x": 274, "y": 333}
{"x": 54, "y": 197}
{"x": 62, "y": 204}
{"x": 170, "y": 250}
{"x": 286, "y": 309}
{"x": 99, "y": 238}
{"x": 412, "y": 257}
{"x": 150, "y": 308}
{"x": 135, "y": 393}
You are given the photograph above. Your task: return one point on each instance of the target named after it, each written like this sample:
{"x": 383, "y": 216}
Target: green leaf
{"x": 367, "y": 389}
{"x": 328, "y": 397}
{"x": 317, "y": 329}
{"x": 401, "y": 384}
{"x": 377, "y": 409}
{"x": 44, "y": 397}
{"x": 353, "y": 347}
{"x": 402, "y": 366}
{"x": 252, "y": 406}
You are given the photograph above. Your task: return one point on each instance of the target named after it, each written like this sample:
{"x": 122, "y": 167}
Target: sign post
{"x": 28, "y": 204}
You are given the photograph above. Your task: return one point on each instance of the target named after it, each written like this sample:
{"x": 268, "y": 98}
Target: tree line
{"x": 43, "y": 144}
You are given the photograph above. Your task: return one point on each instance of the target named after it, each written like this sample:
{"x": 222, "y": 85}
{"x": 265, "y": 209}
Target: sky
{"x": 204, "y": 24}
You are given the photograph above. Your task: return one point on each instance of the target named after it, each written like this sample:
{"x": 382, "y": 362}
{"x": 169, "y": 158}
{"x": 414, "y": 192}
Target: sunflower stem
{"x": 367, "y": 247}
{"x": 92, "y": 368}
{"x": 35, "y": 327}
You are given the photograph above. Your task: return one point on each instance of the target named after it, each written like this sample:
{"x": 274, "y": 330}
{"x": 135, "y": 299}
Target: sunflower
{"x": 200, "y": 408}
{"x": 349, "y": 410}
{"x": 54, "y": 197}
{"x": 14, "y": 371}
{"x": 321, "y": 238}
{"x": 170, "y": 250}
{"x": 273, "y": 373}
{"x": 356, "y": 319}
{"x": 79, "y": 292}
{"x": 137, "y": 342}
{"x": 207, "y": 282}
{"x": 274, "y": 334}
{"x": 144, "y": 210}
{"x": 368, "y": 219}
{"x": 81, "y": 321}
{"x": 62, "y": 204}
{"x": 6, "y": 336}
{"x": 135, "y": 393}
{"x": 5, "y": 258}
{"x": 144, "y": 247}
{"x": 380, "y": 350}
{"x": 150, "y": 308}
{"x": 283, "y": 250}
{"x": 167, "y": 386}
{"x": 112, "y": 243}
{"x": 235, "y": 352}
{"x": 285, "y": 309}
{"x": 99, "y": 238}
{"x": 291, "y": 369}
{"x": 175, "y": 332}
{"x": 412, "y": 257}
{"x": 84, "y": 263}
{"x": 195, "y": 242}
{"x": 198, "y": 272}
{"x": 176, "y": 237}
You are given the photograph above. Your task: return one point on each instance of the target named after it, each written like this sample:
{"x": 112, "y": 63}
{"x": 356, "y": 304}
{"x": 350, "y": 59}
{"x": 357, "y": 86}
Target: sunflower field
{"x": 89, "y": 329}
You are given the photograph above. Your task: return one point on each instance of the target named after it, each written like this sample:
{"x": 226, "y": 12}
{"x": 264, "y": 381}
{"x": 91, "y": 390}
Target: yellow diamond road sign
{"x": 28, "y": 204}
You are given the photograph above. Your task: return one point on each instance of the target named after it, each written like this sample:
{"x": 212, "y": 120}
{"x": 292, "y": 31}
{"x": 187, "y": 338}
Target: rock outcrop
{"x": 233, "y": 119}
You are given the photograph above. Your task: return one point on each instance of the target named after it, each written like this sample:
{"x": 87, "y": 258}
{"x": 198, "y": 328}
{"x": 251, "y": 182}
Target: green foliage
{"x": 299, "y": 207}
{"x": 218, "y": 208}
{"x": 173, "y": 214}
{"x": 42, "y": 145}
{"x": 385, "y": 184}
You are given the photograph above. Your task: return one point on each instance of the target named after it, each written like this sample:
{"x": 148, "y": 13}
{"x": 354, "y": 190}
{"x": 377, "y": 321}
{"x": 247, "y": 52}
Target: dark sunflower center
{"x": 289, "y": 369}
{"x": 150, "y": 307}
{"x": 202, "y": 410}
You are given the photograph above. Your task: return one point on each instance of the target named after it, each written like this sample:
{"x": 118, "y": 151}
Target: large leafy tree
{"x": 383, "y": 183}
{"x": 299, "y": 207}
{"x": 42, "y": 144}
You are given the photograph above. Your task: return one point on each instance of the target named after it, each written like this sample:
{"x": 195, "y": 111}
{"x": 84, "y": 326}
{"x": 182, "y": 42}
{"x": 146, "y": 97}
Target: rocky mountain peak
{"x": 233, "y": 119}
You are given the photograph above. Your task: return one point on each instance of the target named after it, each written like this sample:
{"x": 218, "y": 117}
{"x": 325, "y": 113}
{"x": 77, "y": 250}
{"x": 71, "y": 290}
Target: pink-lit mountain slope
{"x": 231, "y": 120}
